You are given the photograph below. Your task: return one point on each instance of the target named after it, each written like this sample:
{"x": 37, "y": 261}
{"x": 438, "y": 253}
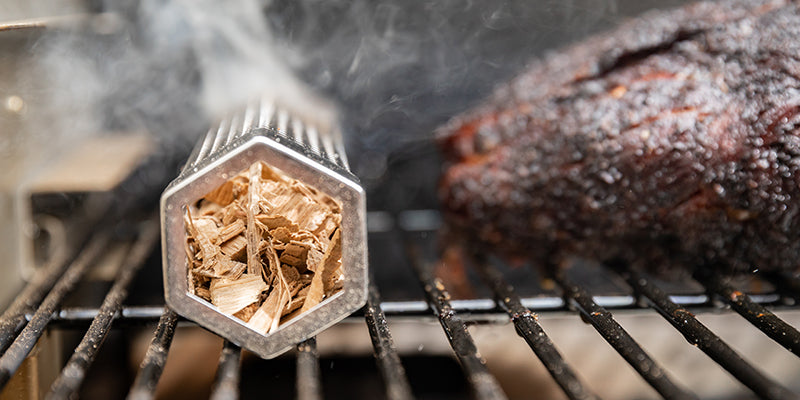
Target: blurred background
{"x": 91, "y": 89}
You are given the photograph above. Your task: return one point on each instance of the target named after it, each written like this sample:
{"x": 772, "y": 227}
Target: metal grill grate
{"x": 39, "y": 307}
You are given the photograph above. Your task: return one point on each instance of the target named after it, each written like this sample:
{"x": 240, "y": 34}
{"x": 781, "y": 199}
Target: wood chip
{"x": 232, "y": 295}
{"x": 209, "y": 209}
{"x": 330, "y": 262}
{"x": 223, "y": 195}
{"x": 266, "y": 317}
{"x": 225, "y": 267}
{"x": 264, "y": 247}
{"x": 253, "y": 209}
{"x": 246, "y": 313}
{"x": 277, "y": 221}
{"x": 204, "y": 232}
{"x": 229, "y": 231}
{"x": 326, "y": 228}
{"x": 235, "y": 248}
{"x": 281, "y": 234}
{"x": 300, "y": 284}
{"x": 290, "y": 274}
{"x": 203, "y": 293}
{"x": 295, "y": 253}
{"x": 297, "y": 302}
{"x": 313, "y": 259}
{"x": 233, "y": 212}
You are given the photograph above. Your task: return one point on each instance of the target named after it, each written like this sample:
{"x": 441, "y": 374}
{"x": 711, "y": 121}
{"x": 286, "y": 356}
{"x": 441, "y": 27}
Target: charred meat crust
{"x": 671, "y": 141}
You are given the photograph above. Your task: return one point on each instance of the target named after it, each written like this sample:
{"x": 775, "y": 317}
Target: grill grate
{"x": 620, "y": 340}
{"x": 308, "y": 375}
{"x": 227, "y": 383}
{"x": 755, "y": 313}
{"x": 697, "y": 334}
{"x": 527, "y": 326}
{"x": 39, "y": 307}
{"x": 394, "y": 375}
{"x": 153, "y": 364}
{"x": 484, "y": 383}
{"x": 74, "y": 372}
{"x": 23, "y": 343}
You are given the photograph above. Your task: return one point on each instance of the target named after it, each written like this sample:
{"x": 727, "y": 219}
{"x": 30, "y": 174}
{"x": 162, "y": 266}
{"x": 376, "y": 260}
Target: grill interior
{"x": 95, "y": 307}
{"x": 405, "y": 291}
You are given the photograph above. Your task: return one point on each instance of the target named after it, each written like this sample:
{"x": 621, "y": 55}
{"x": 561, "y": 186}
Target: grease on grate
{"x": 264, "y": 247}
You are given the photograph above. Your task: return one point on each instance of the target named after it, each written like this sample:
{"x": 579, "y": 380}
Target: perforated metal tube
{"x": 303, "y": 147}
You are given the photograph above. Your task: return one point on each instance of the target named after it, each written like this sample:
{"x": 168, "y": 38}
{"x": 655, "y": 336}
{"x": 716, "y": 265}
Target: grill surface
{"x": 39, "y": 307}
{"x": 407, "y": 235}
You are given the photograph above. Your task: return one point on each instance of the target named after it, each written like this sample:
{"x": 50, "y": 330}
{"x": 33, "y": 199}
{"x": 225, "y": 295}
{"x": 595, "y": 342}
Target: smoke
{"x": 418, "y": 63}
{"x": 233, "y": 46}
{"x": 167, "y": 67}
{"x": 400, "y": 69}
{"x": 395, "y": 69}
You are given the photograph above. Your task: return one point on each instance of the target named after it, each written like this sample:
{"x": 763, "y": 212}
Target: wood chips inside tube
{"x": 264, "y": 247}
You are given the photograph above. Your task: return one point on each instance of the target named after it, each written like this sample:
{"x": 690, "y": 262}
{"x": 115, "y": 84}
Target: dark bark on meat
{"x": 671, "y": 141}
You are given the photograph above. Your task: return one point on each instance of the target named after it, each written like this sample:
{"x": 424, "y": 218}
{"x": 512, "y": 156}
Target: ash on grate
{"x": 264, "y": 247}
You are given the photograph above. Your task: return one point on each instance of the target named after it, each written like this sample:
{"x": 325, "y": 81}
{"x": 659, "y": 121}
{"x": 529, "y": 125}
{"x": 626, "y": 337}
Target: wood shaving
{"x": 232, "y": 295}
{"x": 235, "y": 248}
{"x": 325, "y": 275}
{"x": 247, "y": 313}
{"x": 228, "y": 232}
{"x": 264, "y": 247}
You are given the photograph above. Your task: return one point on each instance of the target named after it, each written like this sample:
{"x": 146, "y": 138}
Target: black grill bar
{"x": 28, "y": 301}
{"x": 697, "y": 334}
{"x": 22, "y": 345}
{"x": 392, "y": 371}
{"x": 68, "y": 383}
{"x": 620, "y": 340}
{"x": 483, "y": 382}
{"x": 308, "y": 385}
{"x": 226, "y": 386}
{"x": 152, "y": 366}
{"x": 13, "y": 319}
{"x": 529, "y": 329}
{"x": 763, "y": 319}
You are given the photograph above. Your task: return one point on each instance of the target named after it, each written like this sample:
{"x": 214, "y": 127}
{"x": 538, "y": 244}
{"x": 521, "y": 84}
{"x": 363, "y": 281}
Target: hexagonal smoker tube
{"x": 271, "y": 134}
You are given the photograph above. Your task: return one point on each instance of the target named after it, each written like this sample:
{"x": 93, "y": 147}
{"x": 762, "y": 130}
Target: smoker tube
{"x": 307, "y": 151}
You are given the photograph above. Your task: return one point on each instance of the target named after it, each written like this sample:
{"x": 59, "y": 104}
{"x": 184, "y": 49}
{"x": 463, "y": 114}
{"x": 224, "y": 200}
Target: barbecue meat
{"x": 671, "y": 141}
